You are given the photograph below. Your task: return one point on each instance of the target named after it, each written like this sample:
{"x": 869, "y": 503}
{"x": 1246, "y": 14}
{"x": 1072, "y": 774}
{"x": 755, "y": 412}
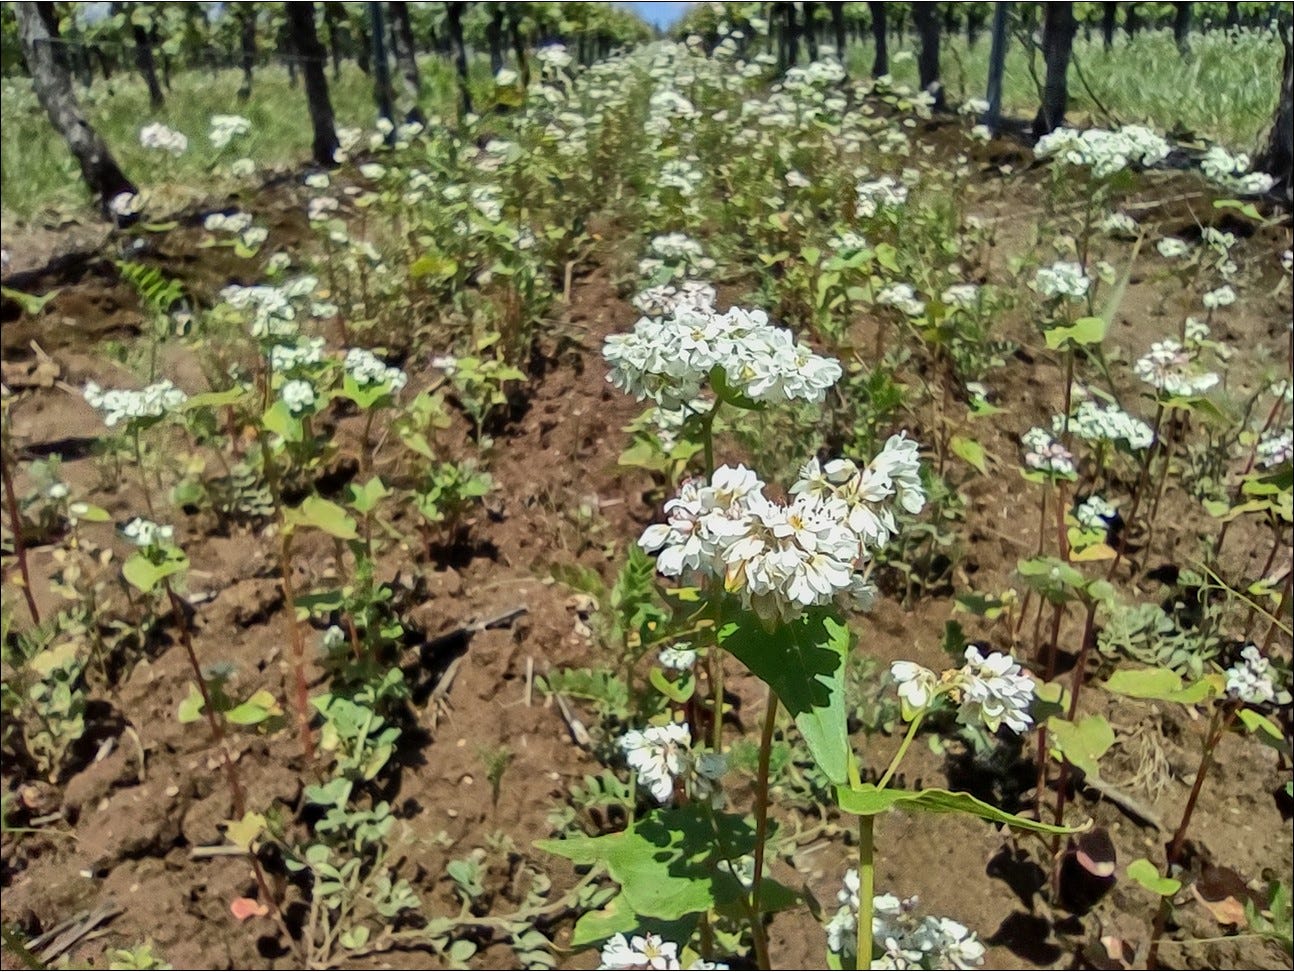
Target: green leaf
{"x": 1244, "y": 208}
{"x": 1148, "y": 876}
{"x": 1267, "y": 731}
{"x": 678, "y": 692}
{"x": 618, "y": 917}
{"x": 323, "y": 515}
{"x": 261, "y": 706}
{"x": 1162, "y": 684}
{"x": 144, "y": 575}
{"x": 31, "y": 304}
{"x": 244, "y": 832}
{"x": 191, "y": 706}
{"x": 667, "y": 862}
{"x": 435, "y": 265}
{"x": 867, "y": 801}
{"x": 365, "y": 498}
{"x": 969, "y": 450}
{"x": 804, "y": 663}
{"x": 810, "y": 255}
{"x": 1082, "y": 743}
{"x": 1083, "y": 332}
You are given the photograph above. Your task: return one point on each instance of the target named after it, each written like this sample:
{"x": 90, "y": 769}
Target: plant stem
{"x": 761, "y": 801}
{"x": 214, "y": 721}
{"x": 1062, "y": 784}
{"x": 19, "y": 545}
{"x": 1151, "y": 450}
{"x": 1280, "y": 611}
{"x": 1219, "y": 723}
{"x": 866, "y": 889}
{"x": 143, "y": 478}
{"x": 903, "y": 749}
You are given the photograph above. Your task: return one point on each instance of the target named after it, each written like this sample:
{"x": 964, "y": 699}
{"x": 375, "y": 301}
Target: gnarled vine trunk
{"x": 880, "y": 39}
{"x": 306, "y": 46}
{"x": 47, "y": 64}
{"x": 925, "y": 16}
{"x": 1277, "y": 155}
{"x": 1057, "y": 45}
{"x": 406, "y": 59}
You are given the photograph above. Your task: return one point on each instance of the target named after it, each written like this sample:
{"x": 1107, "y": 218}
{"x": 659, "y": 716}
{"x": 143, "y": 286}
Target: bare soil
{"x": 146, "y": 790}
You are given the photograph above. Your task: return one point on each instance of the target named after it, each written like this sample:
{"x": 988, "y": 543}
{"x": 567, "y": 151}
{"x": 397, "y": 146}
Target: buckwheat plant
{"x": 770, "y": 581}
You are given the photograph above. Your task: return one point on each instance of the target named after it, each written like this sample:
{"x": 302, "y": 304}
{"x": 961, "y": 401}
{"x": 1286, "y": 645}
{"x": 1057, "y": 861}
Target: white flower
{"x": 298, "y": 395}
{"x": 366, "y": 368}
{"x": 669, "y": 360}
{"x": 641, "y": 952}
{"x": 320, "y": 208}
{"x": 1045, "y": 454}
{"x": 1062, "y": 279}
{"x": 797, "y": 180}
{"x": 372, "y": 170}
{"x": 994, "y": 691}
{"x": 1232, "y": 172}
{"x": 506, "y": 78}
{"x": 1275, "y": 448}
{"x": 333, "y": 638}
{"x": 1223, "y": 296}
{"x": 679, "y": 657}
{"x": 1094, "y": 513}
{"x": 1173, "y": 370}
{"x": 916, "y": 686}
{"x": 126, "y": 204}
{"x": 1287, "y": 260}
{"x": 1094, "y": 421}
{"x": 1171, "y": 248}
{"x": 285, "y": 358}
{"x": 158, "y": 136}
{"x": 905, "y": 940}
{"x": 225, "y": 128}
{"x": 963, "y": 295}
{"x": 317, "y": 180}
{"x": 56, "y": 491}
{"x": 879, "y": 194}
{"x": 1252, "y": 679}
{"x": 903, "y": 297}
{"x": 122, "y": 405}
{"x": 146, "y": 533}
{"x": 1105, "y": 152}
{"x": 242, "y": 168}
{"x": 664, "y": 759}
{"x": 981, "y": 133}
{"x": 1119, "y": 224}
{"x": 665, "y": 299}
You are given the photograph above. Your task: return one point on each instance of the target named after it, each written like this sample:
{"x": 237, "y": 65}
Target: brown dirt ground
{"x": 152, "y": 793}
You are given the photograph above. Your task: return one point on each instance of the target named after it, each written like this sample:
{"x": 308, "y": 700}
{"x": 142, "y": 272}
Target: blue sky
{"x": 662, "y": 14}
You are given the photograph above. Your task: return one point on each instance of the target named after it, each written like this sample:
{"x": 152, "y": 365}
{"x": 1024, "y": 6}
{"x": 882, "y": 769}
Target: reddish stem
{"x": 19, "y": 546}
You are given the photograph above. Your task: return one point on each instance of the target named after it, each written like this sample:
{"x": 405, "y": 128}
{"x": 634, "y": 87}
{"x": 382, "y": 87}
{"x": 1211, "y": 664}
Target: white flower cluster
{"x": 298, "y": 395}
{"x": 669, "y": 360}
{"x": 962, "y": 296}
{"x": 1119, "y": 224}
{"x": 1173, "y": 370}
{"x": 1094, "y": 513}
{"x": 321, "y": 208}
{"x": 272, "y": 309}
{"x": 1253, "y": 680}
{"x": 1094, "y": 421}
{"x": 119, "y": 404}
{"x": 158, "y": 136}
{"x": 680, "y": 253}
{"x": 226, "y": 128}
{"x": 848, "y": 243}
{"x": 1104, "y": 152}
{"x": 286, "y": 358}
{"x": 553, "y": 56}
{"x": 902, "y": 297}
{"x": 991, "y": 690}
{"x": 1275, "y": 448}
{"x": 366, "y": 368}
{"x": 1045, "y": 454}
{"x": 780, "y": 559}
{"x": 1063, "y": 278}
{"x": 649, "y": 952}
{"x": 665, "y": 299}
{"x": 1172, "y": 248}
{"x": 227, "y": 222}
{"x": 680, "y": 174}
{"x": 906, "y": 941}
{"x": 877, "y": 194}
{"x": 678, "y": 657}
{"x": 146, "y": 533}
{"x": 664, "y": 760}
{"x": 1232, "y": 172}
{"x": 1222, "y": 296}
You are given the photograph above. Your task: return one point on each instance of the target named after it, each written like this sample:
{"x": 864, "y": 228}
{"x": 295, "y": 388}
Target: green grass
{"x": 38, "y": 176}
{"x": 1225, "y": 91}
